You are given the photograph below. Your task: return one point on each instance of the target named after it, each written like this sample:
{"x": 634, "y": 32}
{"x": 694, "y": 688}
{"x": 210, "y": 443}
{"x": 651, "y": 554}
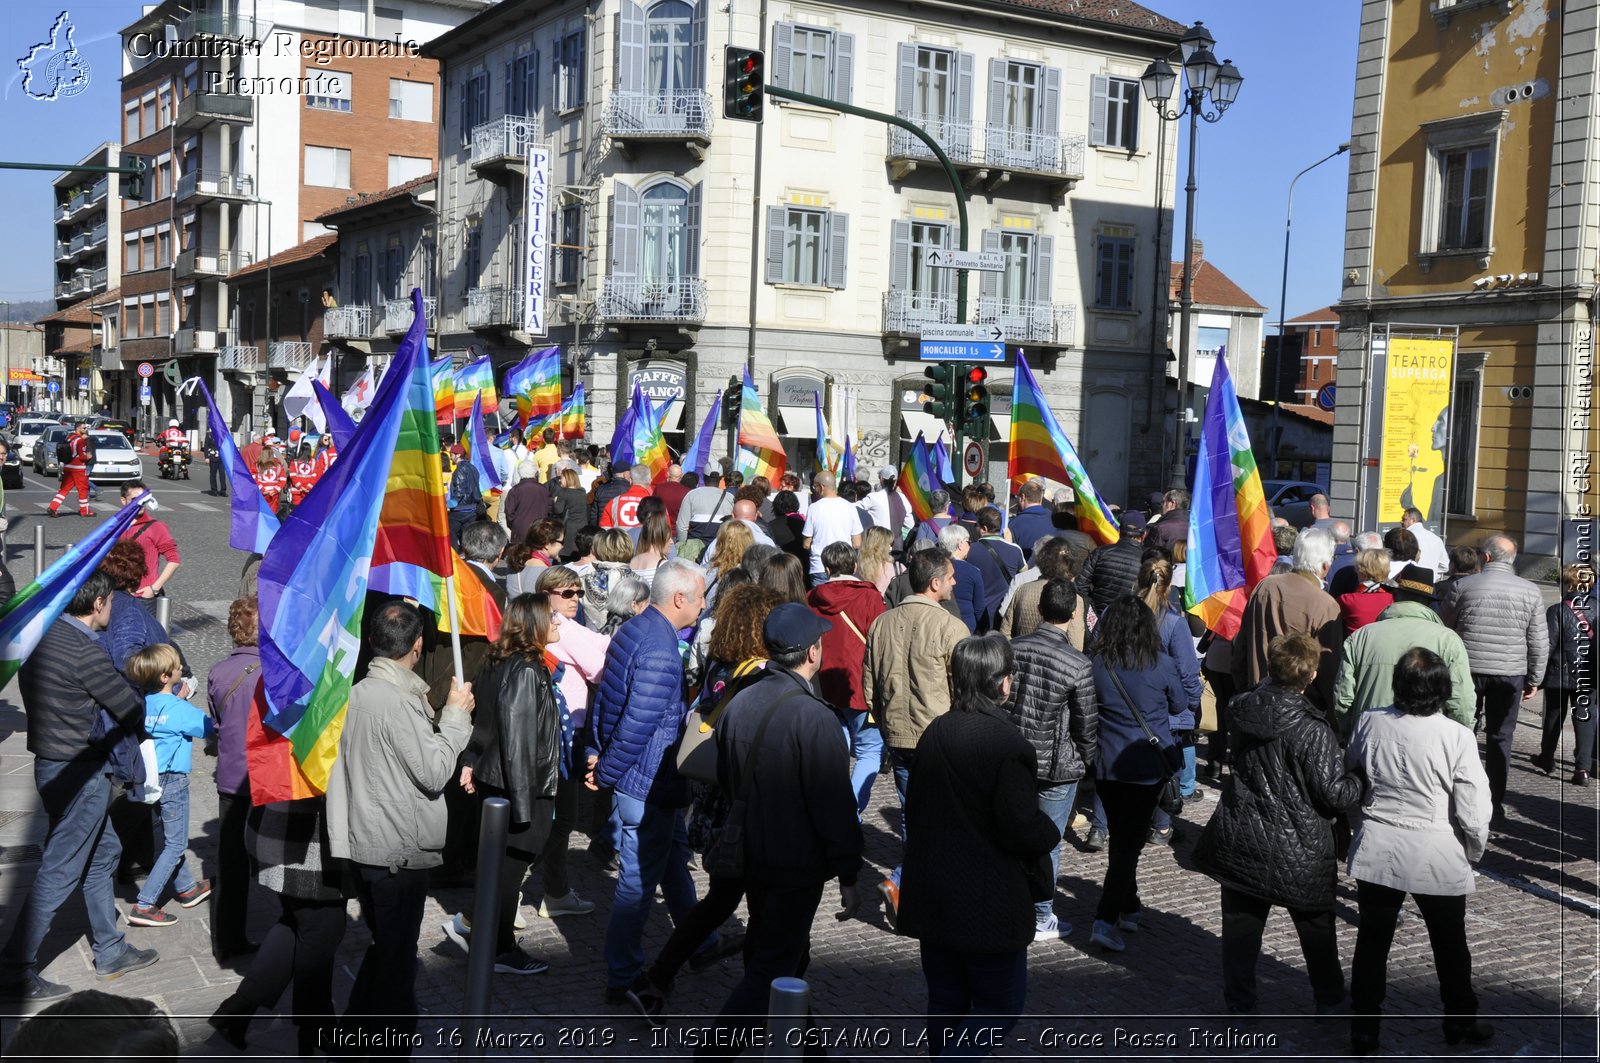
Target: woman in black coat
{"x": 1569, "y": 678}
{"x": 974, "y": 833}
{"x": 1271, "y": 838}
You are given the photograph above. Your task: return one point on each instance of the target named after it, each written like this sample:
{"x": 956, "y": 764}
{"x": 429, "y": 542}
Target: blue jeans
{"x": 81, "y": 852}
{"x": 903, "y": 759}
{"x": 652, "y": 850}
{"x": 1056, "y": 802}
{"x": 175, "y": 834}
{"x": 866, "y": 745}
{"x": 1186, "y": 781}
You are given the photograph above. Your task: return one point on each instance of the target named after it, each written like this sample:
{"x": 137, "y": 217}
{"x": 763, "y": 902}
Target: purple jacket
{"x": 229, "y": 691}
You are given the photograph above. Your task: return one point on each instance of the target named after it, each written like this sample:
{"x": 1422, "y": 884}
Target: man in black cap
{"x": 781, "y": 754}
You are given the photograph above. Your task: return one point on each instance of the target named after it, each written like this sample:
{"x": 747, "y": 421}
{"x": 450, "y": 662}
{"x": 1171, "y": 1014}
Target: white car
{"x": 28, "y": 433}
{"x": 115, "y": 460}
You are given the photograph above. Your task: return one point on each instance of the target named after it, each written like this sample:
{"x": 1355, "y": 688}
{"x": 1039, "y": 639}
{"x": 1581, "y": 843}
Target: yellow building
{"x": 1473, "y": 215}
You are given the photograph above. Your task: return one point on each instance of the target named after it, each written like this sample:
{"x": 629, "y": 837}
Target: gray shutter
{"x": 900, "y": 255}
{"x": 842, "y": 85}
{"x": 905, "y": 87}
{"x": 625, "y": 211}
{"x": 466, "y": 94}
{"x": 510, "y": 80}
{"x": 989, "y": 287}
{"x": 775, "y": 220}
{"x": 997, "y": 95}
{"x": 1050, "y": 117}
{"x": 1043, "y": 267}
{"x": 1105, "y": 271}
{"x": 691, "y": 232}
{"x": 530, "y": 83}
{"x": 697, "y": 45}
{"x": 1133, "y": 104}
{"x": 838, "y": 248}
{"x": 630, "y": 47}
{"x": 782, "y": 55}
{"x": 1124, "y": 274}
{"x": 1099, "y": 89}
{"x": 964, "y": 77}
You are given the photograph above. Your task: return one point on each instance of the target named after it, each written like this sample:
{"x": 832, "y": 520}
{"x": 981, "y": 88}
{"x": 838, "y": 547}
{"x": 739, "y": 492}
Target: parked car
{"x": 44, "y": 450}
{"x": 111, "y": 424}
{"x": 28, "y": 432}
{"x": 115, "y": 459}
{"x": 11, "y": 475}
{"x": 1291, "y": 500}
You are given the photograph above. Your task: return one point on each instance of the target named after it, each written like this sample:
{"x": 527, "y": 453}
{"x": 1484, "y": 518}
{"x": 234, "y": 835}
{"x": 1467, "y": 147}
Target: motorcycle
{"x": 173, "y": 462}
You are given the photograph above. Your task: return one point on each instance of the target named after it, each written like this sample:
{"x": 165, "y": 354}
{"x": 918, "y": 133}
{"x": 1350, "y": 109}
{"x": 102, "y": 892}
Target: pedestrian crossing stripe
{"x": 203, "y": 507}
{"x": 71, "y": 506}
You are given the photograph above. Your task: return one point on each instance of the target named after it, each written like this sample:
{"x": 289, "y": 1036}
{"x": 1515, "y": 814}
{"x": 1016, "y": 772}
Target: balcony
{"x": 97, "y": 236}
{"x": 1049, "y": 324}
{"x": 236, "y": 358}
{"x": 659, "y": 116}
{"x": 199, "y": 109}
{"x": 495, "y": 308}
{"x": 352, "y": 322}
{"x": 80, "y": 283}
{"x": 205, "y": 263}
{"x": 64, "y": 211}
{"x": 990, "y": 155}
{"x": 107, "y": 358}
{"x": 98, "y": 192}
{"x": 216, "y": 24}
{"x": 79, "y": 242}
{"x": 502, "y": 143}
{"x": 207, "y": 185}
{"x": 627, "y": 299}
{"x": 99, "y": 278}
{"x": 63, "y": 250}
{"x": 283, "y": 354}
{"x": 906, "y": 311}
{"x": 194, "y": 341}
{"x": 397, "y": 314}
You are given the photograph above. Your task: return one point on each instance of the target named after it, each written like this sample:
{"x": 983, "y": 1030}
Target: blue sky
{"x": 1297, "y": 57}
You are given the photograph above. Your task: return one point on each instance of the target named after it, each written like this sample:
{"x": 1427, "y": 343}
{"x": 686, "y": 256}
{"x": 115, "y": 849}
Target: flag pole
{"x": 455, "y": 628}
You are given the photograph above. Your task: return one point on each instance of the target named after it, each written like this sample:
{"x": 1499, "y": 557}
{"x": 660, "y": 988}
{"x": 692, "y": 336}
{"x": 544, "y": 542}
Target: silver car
{"x": 115, "y": 460}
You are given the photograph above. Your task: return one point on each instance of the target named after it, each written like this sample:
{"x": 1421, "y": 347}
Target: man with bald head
{"x": 748, "y": 512}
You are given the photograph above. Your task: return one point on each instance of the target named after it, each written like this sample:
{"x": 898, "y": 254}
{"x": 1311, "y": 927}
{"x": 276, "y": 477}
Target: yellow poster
{"x": 1416, "y": 429}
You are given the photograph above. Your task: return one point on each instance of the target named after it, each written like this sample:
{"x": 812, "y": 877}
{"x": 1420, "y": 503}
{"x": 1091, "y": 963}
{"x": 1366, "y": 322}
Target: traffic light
{"x": 132, "y": 184}
{"x": 939, "y": 391}
{"x": 744, "y": 88}
{"x": 975, "y": 404}
{"x": 732, "y": 398}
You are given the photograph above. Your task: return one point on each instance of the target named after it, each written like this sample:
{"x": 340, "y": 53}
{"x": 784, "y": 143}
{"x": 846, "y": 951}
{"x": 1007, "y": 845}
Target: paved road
{"x": 1532, "y": 923}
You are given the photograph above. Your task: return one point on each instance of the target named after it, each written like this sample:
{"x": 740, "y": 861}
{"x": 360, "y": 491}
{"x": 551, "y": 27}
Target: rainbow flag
{"x": 649, "y": 444}
{"x": 251, "y": 522}
{"x": 1040, "y": 448}
{"x": 622, "y": 440}
{"x": 760, "y": 450}
{"x": 313, "y": 580}
{"x": 476, "y": 378}
{"x": 535, "y": 383}
{"x": 573, "y": 420}
{"x": 917, "y": 480}
{"x": 698, "y": 456}
{"x": 30, "y": 612}
{"x": 444, "y": 390}
{"x": 475, "y": 608}
{"x": 1230, "y": 529}
{"x": 476, "y": 443}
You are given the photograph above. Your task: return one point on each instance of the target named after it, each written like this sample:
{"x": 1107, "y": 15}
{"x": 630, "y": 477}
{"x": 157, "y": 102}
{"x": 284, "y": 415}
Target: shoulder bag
{"x": 1171, "y": 799}
{"x": 697, "y": 749}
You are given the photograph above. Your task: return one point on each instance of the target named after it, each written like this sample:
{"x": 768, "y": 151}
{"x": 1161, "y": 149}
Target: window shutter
{"x": 782, "y": 54}
{"x": 510, "y": 99}
{"x": 1099, "y": 89}
{"x": 900, "y": 255}
{"x": 691, "y": 231}
{"x": 466, "y": 95}
{"x": 1105, "y": 271}
{"x": 1134, "y": 100}
{"x": 1050, "y": 99}
{"x": 905, "y": 86}
{"x": 775, "y": 220}
{"x": 844, "y": 65}
{"x": 1124, "y": 274}
{"x": 997, "y": 95}
{"x": 964, "y": 77}
{"x": 838, "y": 248}
{"x": 630, "y": 47}
{"x": 530, "y": 82}
{"x": 989, "y": 287}
{"x": 697, "y": 49}
{"x": 1043, "y": 267}
{"x": 625, "y": 210}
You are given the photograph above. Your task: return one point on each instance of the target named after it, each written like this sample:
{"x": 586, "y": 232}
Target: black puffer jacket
{"x": 516, "y": 738}
{"x": 1053, "y": 703}
{"x": 1111, "y": 572}
{"x": 1574, "y": 622}
{"x": 1271, "y": 836}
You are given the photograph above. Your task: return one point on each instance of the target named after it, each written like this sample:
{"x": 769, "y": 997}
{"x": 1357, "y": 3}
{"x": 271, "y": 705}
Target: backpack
{"x": 463, "y": 492}
{"x": 64, "y": 450}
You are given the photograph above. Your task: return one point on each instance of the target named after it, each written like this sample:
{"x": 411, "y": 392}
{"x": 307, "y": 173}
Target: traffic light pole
{"x": 125, "y": 171}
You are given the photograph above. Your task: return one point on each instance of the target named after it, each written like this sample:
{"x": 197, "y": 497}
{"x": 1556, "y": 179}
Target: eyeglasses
{"x": 568, "y": 592}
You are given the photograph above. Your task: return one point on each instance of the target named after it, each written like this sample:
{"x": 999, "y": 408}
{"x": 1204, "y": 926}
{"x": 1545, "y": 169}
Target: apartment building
{"x": 87, "y": 228}
{"x": 682, "y": 247}
{"x": 1472, "y": 215}
{"x": 1305, "y": 376}
{"x": 21, "y": 347}
{"x": 257, "y": 118}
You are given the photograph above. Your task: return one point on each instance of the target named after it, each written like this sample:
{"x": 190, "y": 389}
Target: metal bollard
{"x": 164, "y": 613}
{"x": 38, "y": 550}
{"x": 788, "y": 1015}
{"x": 492, "y": 830}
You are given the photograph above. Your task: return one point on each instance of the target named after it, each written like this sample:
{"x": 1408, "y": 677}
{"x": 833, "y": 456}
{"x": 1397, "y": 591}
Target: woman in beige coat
{"x": 1424, "y": 819}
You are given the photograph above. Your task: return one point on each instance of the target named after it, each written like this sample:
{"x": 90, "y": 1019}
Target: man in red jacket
{"x": 851, "y": 604}
{"x": 623, "y": 511}
{"x": 75, "y": 472}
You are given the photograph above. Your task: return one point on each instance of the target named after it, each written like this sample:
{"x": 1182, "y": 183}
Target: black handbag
{"x": 1171, "y": 797}
{"x": 1041, "y": 875}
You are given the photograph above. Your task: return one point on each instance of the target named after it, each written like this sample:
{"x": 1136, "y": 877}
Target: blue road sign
{"x": 54, "y": 387}
{"x": 962, "y": 351}
{"x": 1325, "y": 396}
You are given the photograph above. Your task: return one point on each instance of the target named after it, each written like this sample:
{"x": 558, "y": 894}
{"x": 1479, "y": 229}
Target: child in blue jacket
{"x": 171, "y": 722}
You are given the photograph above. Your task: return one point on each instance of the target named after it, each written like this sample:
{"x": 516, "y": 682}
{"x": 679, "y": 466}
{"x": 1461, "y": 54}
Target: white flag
{"x": 359, "y": 395}
{"x": 301, "y": 401}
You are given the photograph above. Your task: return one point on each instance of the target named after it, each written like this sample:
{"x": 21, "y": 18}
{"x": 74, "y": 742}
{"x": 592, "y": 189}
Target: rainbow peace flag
{"x": 472, "y": 379}
{"x": 1230, "y": 529}
{"x": 313, "y": 579}
{"x": 535, "y": 383}
{"x": 649, "y": 444}
{"x": 572, "y": 414}
{"x": 475, "y": 608}
{"x": 760, "y": 450}
{"x": 918, "y": 480}
{"x": 1040, "y": 448}
{"x": 444, "y": 390}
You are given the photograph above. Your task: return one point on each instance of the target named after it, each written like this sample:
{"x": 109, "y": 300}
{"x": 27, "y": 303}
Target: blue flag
{"x": 622, "y": 446}
{"x": 699, "y": 453}
{"x": 252, "y": 522}
{"x": 340, "y": 426}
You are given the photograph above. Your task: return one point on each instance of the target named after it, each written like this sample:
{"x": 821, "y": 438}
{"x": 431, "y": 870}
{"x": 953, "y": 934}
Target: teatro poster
{"x": 1416, "y": 428}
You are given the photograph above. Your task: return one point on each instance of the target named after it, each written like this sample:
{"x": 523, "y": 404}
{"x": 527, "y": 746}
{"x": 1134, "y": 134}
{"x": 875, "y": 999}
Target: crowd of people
{"x": 713, "y": 671}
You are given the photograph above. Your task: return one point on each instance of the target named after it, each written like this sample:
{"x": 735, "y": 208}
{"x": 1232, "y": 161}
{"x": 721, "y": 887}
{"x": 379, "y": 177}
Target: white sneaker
{"x": 571, "y": 904}
{"x": 1051, "y": 929}
{"x": 459, "y": 928}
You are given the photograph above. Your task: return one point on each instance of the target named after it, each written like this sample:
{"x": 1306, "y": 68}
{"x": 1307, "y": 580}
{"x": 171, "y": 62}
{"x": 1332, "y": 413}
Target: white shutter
{"x": 838, "y": 249}
{"x": 841, "y": 85}
{"x": 1099, "y": 89}
{"x": 776, "y": 217}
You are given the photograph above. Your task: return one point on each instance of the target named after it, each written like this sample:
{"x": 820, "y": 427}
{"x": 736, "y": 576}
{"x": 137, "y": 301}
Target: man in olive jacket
{"x": 385, "y": 806}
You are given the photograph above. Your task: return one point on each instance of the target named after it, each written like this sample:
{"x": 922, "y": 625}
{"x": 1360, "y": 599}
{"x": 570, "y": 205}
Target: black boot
{"x": 1363, "y": 1035}
{"x": 232, "y": 1019}
{"x": 1471, "y": 1031}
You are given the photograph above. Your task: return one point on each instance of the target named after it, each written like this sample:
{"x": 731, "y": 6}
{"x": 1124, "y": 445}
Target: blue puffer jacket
{"x": 639, "y": 711}
{"x": 1177, "y": 643}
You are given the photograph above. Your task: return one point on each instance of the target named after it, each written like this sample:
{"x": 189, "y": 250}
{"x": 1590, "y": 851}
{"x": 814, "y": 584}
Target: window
{"x": 164, "y": 248}
{"x": 662, "y": 257}
{"x": 933, "y": 83}
{"x": 668, "y": 49}
{"x": 130, "y": 253}
{"x": 472, "y": 260}
{"x": 807, "y": 246}
{"x": 920, "y": 293}
{"x": 329, "y": 90}
{"x": 147, "y": 120}
{"x": 410, "y": 101}
{"x": 327, "y": 167}
{"x": 1114, "y": 113}
{"x": 474, "y": 107}
{"x": 1016, "y": 280}
{"x": 130, "y": 121}
{"x": 522, "y": 84}
{"x": 934, "y": 86}
{"x": 163, "y": 315}
{"x": 1024, "y": 115}
{"x": 1113, "y": 279}
{"x": 1018, "y": 297}
{"x": 164, "y": 106}
{"x": 130, "y": 319}
{"x": 569, "y": 72}
{"x": 429, "y": 249}
{"x": 1210, "y": 340}
{"x": 147, "y": 249}
{"x": 403, "y": 168}
{"x": 394, "y": 268}
{"x": 567, "y": 262}
{"x": 1462, "y": 472}
{"x": 1458, "y": 190}
{"x": 816, "y": 61}
{"x": 361, "y": 274}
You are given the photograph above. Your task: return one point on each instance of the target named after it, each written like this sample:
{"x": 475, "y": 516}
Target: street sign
{"x": 54, "y": 387}
{"x": 972, "y": 458}
{"x": 144, "y": 394}
{"x": 83, "y": 382}
{"x": 984, "y": 261}
{"x": 146, "y": 370}
{"x": 1325, "y": 396}
{"x": 991, "y": 333}
{"x": 959, "y": 351}
{"x": 171, "y": 371}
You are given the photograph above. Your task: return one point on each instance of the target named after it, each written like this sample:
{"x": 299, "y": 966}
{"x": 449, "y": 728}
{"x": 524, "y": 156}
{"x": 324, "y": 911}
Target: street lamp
{"x": 1206, "y": 81}
{"x": 1283, "y": 299}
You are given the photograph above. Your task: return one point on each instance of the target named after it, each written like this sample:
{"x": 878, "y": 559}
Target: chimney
{"x": 1197, "y": 249}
